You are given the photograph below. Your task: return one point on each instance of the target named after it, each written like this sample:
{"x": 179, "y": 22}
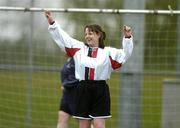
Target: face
{"x": 92, "y": 38}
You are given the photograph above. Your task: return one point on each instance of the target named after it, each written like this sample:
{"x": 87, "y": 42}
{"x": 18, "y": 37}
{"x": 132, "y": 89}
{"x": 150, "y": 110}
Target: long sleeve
{"x": 62, "y": 39}
{"x": 127, "y": 47}
{"x": 120, "y": 56}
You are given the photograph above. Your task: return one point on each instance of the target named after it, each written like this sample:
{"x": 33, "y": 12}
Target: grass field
{"x": 36, "y": 106}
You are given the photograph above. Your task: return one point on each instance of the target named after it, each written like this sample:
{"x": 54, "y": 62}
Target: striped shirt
{"x": 100, "y": 62}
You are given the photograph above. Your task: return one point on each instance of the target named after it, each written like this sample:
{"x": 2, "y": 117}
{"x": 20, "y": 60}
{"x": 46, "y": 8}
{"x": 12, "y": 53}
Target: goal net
{"x": 142, "y": 92}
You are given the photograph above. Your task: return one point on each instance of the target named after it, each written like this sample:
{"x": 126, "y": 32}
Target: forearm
{"x": 64, "y": 41}
{"x": 59, "y": 36}
{"x": 127, "y": 47}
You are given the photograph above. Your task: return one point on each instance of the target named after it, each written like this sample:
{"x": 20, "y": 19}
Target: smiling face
{"x": 94, "y": 35}
{"x": 91, "y": 37}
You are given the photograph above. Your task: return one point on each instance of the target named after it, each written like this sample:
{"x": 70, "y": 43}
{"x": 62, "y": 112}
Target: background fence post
{"x": 28, "y": 121}
{"x": 171, "y": 104}
{"x": 131, "y": 74}
{"x": 178, "y": 43}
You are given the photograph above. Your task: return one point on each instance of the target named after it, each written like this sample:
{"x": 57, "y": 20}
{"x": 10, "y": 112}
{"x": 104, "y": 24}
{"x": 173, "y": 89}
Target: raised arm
{"x": 120, "y": 56}
{"x": 62, "y": 39}
{"x": 127, "y": 42}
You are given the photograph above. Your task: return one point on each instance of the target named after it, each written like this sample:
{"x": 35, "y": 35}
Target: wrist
{"x": 51, "y": 22}
{"x": 128, "y": 37}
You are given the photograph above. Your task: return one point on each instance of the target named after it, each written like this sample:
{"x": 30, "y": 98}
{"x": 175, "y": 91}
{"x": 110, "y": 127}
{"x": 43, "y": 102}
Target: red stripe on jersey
{"x": 71, "y": 51}
{"x": 91, "y": 74}
{"x": 114, "y": 63}
{"x": 94, "y": 52}
{"x": 92, "y": 70}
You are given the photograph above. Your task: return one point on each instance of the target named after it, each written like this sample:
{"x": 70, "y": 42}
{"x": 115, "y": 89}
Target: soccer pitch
{"x": 37, "y": 106}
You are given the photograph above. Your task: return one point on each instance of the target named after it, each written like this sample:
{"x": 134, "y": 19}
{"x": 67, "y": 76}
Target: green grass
{"x": 45, "y": 95}
{"x": 14, "y": 104}
{"x": 15, "y": 90}
{"x": 152, "y": 92}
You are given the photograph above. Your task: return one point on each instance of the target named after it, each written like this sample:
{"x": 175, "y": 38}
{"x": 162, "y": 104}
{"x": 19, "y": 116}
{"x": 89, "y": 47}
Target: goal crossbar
{"x": 90, "y": 10}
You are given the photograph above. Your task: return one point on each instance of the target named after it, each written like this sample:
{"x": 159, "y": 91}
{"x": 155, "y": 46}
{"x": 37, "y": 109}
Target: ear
{"x": 98, "y": 34}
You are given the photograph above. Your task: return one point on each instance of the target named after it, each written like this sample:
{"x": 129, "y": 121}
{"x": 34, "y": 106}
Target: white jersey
{"x": 100, "y": 63}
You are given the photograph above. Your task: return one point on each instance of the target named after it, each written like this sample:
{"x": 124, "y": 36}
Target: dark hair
{"x": 96, "y": 28}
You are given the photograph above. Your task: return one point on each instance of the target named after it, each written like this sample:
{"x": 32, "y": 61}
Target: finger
{"x": 124, "y": 27}
{"x": 47, "y": 12}
{"x": 127, "y": 28}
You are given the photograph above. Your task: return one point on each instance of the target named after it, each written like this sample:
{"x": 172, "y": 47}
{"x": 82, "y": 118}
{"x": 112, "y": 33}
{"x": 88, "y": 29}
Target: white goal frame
{"x": 91, "y": 10}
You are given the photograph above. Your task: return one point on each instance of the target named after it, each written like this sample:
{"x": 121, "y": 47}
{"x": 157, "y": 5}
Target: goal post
{"x": 91, "y": 10}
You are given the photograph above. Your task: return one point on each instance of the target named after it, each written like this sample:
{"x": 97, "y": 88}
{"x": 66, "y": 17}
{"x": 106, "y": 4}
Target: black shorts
{"x": 67, "y": 103}
{"x": 92, "y": 100}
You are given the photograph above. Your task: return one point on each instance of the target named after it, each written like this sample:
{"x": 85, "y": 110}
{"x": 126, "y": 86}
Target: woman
{"x": 93, "y": 65}
{"x": 69, "y": 84}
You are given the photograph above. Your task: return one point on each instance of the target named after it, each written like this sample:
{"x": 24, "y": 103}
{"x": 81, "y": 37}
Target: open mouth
{"x": 88, "y": 40}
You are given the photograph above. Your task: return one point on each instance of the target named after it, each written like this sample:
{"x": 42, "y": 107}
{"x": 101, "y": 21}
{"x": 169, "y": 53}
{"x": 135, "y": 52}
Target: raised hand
{"x": 127, "y": 31}
{"x": 49, "y": 17}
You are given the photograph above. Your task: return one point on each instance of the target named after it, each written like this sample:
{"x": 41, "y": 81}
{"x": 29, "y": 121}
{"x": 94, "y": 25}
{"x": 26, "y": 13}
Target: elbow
{"x": 126, "y": 56}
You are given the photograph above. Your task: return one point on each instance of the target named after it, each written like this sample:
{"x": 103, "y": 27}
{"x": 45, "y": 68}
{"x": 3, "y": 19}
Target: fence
{"x": 30, "y": 63}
